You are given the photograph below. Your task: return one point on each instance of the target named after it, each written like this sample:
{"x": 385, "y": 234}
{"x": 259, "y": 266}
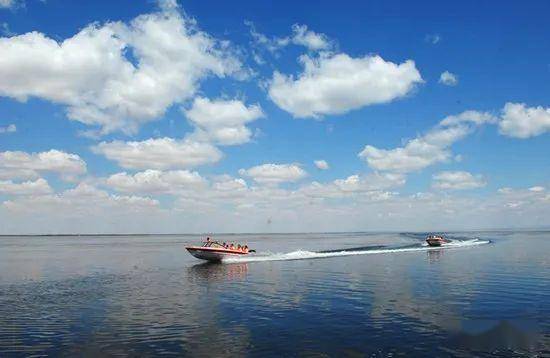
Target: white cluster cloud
{"x": 373, "y": 185}
{"x": 457, "y": 180}
{"x": 370, "y": 182}
{"x": 82, "y": 209}
{"x": 336, "y": 84}
{"x": 22, "y": 165}
{"x": 222, "y": 190}
{"x": 523, "y": 122}
{"x": 309, "y": 39}
{"x": 156, "y": 181}
{"x": 222, "y": 121}
{"x": 84, "y": 198}
{"x": 9, "y": 4}
{"x": 468, "y": 117}
{"x": 11, "y": 128}
{"x": 227, "y": 204}
{"x": 227, "y": 200}
{"x": 301, "y": 36}
{"x": 159, "y": 153}
{"x": 117, "y": 75}
{"x": 449, "y": 79}
{"x": 274, "y": 173}
{"x": 37, "y": 187}
{"x": 321, "y": 164}
{"x": 532, "y": 199}
{"x": 428, "y": 149}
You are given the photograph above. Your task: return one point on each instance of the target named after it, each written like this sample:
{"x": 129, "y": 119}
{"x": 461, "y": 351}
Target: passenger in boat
{"x": 245, "y": 248}
{"x": 231, "y": 247}
{"x": 239, "y": 247}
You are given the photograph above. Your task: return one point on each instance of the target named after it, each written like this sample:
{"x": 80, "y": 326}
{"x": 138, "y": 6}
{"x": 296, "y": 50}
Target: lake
{"x": 365, "y": 294}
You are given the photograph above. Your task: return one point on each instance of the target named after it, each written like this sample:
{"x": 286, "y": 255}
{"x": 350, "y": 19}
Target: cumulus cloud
{"x": 222, "y": 121}
{"x": 321, "y": 164}
{"x": 82, "y": 209}
{"x": 224, "y": 187}
{"x": 373, "y": 185}
{"x": 309, "y": 39}
{"x": 417, "y": 153}
{"x": 8, "y": 129}
{"x": 37, "y": 187}
{"x": 274, "y": 173}
{"x": 159, "y": 153}
{"x": 448, "y": 79}
{"x": 468, "y": 117}
{"x": 116, "y": 76}
{"x": 227, "y": 193}
{"x": 521, "y": 121}
{"x": 156, "y": 181}
{"x": 518, "y": 200}
{"x": 221, "y": 192}
{"x": 370, "y": 182}
{"x": 428, "y": 149}
{"x": 300, "y": 36}
{"x": 23, "y": 165}
{"x": 336, "y": 84}
{"x": 84, "y": 198}
{"x": 228, "y": 204}
{"x": 457, "y": 180}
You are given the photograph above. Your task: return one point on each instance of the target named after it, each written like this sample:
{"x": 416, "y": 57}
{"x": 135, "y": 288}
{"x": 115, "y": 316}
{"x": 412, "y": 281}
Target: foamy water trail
{"x": 305, "y": 255}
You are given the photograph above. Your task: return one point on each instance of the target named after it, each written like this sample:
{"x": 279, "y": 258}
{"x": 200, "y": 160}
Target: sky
{"x": 246, "y": 116}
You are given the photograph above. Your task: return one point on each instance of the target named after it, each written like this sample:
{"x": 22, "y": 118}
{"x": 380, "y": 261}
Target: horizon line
{"x": 280, "y": 233}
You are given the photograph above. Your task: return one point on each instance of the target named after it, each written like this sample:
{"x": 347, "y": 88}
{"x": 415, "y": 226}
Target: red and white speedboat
{"x": 215, "y": 252}
{"x": 436, "y": 240}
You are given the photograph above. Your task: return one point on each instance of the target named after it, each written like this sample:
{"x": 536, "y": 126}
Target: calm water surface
{"x": 369, "y": 295}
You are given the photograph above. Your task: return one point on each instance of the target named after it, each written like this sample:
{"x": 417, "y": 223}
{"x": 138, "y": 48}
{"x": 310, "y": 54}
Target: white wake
{"x": 305, "y": 255}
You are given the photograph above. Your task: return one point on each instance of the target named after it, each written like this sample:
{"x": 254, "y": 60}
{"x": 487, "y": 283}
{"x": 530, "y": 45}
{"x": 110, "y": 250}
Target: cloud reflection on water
{"x": 151, "y": 297}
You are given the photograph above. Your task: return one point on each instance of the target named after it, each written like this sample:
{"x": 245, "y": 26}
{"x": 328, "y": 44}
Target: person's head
{"x": 207, "y": 238}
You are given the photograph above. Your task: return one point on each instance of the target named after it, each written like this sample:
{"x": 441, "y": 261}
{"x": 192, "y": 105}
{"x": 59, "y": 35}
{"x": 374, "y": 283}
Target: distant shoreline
{"x": 280, "y": 233}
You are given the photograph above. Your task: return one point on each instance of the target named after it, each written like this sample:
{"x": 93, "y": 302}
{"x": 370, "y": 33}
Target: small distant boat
{"x": 215, "y": 252}
{"x": 436, "y": 240}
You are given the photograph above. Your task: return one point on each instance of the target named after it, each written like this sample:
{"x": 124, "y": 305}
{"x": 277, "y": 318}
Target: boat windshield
{"x": 213, "y": 244}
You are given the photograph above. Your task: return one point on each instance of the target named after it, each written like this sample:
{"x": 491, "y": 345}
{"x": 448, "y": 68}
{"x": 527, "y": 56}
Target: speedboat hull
{"x": 213, "y": 254}
{"x": 435, "y": 241}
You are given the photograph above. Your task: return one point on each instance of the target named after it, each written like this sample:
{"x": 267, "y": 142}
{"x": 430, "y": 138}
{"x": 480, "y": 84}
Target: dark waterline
{"x": 364, "y": 294}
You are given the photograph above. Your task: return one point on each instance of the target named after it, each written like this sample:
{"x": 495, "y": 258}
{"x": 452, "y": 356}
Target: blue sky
{"x": 199, "y": 116}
